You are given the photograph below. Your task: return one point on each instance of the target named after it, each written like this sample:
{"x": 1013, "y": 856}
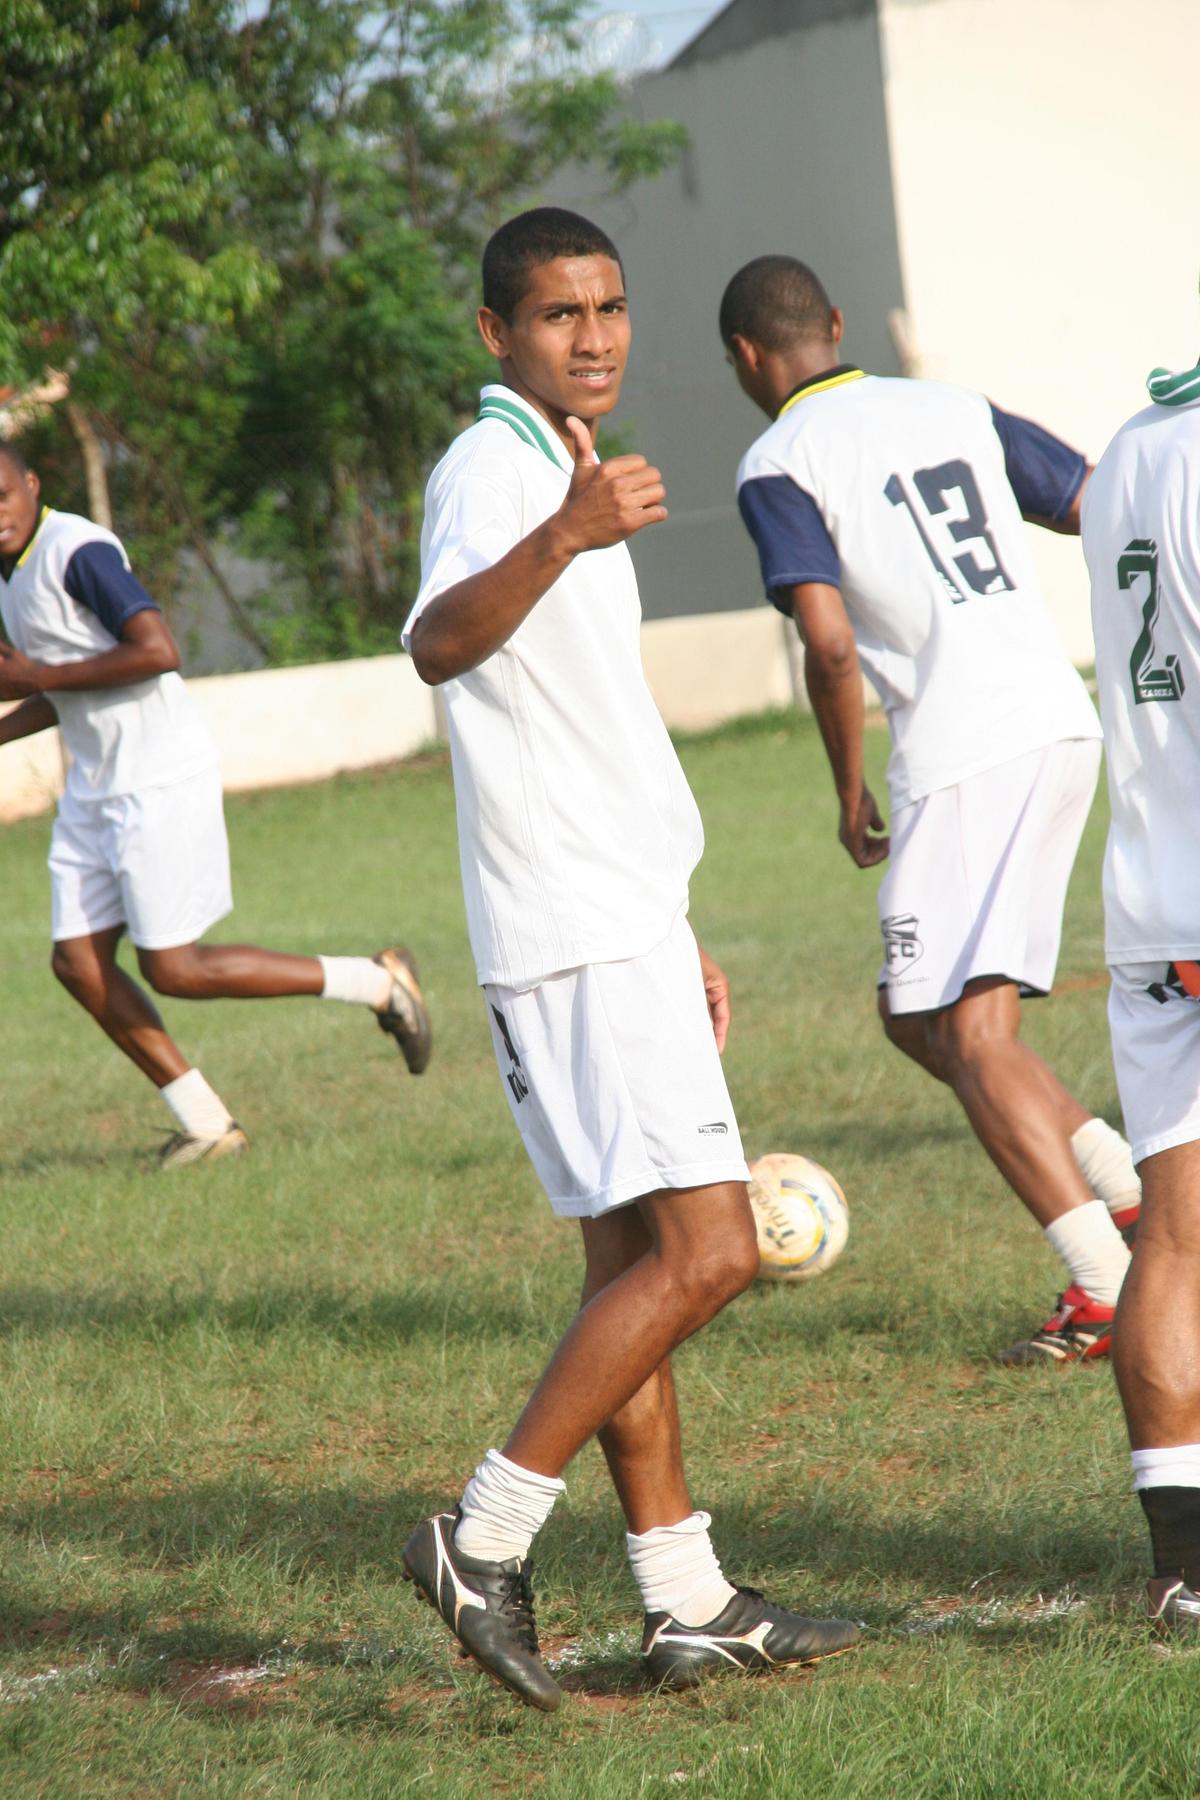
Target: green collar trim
{"x": 1167, "y": 389}
{"x": 494, "y": 406}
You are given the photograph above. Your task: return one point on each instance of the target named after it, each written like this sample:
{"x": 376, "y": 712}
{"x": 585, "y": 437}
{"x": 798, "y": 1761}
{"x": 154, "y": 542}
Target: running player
{"x": 139, "y": 842}
{"x": 887, "y": 517}
{"x": 578, "y": 833}
{"x": 1141, "y": 538}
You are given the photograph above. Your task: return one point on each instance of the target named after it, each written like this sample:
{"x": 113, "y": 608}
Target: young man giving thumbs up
{"x": 578, "y": 834}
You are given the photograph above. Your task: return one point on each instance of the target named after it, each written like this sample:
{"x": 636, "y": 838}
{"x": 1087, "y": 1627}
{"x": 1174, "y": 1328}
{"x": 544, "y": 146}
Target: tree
{"x": 121, "y": 259}
{"x": 271, "y": 226}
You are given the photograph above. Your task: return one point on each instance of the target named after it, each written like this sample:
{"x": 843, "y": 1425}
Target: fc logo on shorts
{"x": 901, "y": 945}
{"x": 516, "y": 1077}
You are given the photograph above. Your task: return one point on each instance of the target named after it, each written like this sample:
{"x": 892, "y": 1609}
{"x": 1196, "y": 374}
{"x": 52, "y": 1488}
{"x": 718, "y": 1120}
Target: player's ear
{"x": 746, "y": 352}
{"x": 837, "y": 323}
{"x": 493, "y": 330}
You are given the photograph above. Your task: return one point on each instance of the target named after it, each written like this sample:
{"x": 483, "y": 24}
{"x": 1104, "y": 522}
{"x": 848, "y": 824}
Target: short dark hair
{"x": 773, "y": 301}
{"x": 528, "y": 241}
{"x": 9, "y": 449}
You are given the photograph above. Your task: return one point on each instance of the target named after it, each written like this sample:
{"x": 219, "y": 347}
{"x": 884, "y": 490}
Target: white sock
{"x": 199, "y": 1111}
{"x": 677, "y": 1570}
{"x": 503, "y": 1508}
{"x": 1178, "y": 1466}
{"x": 1106, "y": 1164}
{"x": 357, "y": 980}
{"x": 1093, "y": 1250}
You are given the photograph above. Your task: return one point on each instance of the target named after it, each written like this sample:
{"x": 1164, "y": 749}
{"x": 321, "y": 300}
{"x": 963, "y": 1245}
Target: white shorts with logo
{"x": 978, "y": 876}
{"x": 156, "y": 862}
{"x": 1156, "y": 1053}
{"x": 613, "y": 1077}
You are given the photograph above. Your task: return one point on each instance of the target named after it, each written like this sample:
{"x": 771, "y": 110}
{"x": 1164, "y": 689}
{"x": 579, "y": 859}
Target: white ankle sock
{"x": 1178, "y": 1466}
{"x": 355, "y": 979}
{"x": 1106, "y": 1164}
{"x": 197, "y": 1108}
{"x": 503, "y": 1507}
{"x": 1093, "y": 1250}
{"x": 677, "y": 1570}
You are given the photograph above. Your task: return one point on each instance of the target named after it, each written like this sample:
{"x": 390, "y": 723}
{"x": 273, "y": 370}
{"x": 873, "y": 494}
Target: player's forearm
{"x": 469, "y": 622}
{"x": 121, "y": 666}
{"x": 834, "y": 682}
{"x": 31, "y": 716}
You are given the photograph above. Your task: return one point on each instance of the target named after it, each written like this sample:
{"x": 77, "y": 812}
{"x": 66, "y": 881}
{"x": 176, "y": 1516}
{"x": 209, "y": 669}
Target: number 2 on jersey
{"x": 933, "y": 487}
{"x": 1140, "y": 557}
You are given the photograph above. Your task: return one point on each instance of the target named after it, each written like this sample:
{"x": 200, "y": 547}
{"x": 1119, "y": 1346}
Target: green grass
{"x": 228, "y": 1394}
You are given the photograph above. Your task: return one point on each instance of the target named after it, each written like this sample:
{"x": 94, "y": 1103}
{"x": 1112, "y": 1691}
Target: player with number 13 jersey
{"x": 887, "y": 515}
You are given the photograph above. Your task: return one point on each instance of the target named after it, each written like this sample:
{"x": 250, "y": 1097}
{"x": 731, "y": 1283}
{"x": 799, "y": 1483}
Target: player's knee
{"x": 722, "y": 1270}
{"x": 173, "y": 973}
{"x": 67, "y": 969}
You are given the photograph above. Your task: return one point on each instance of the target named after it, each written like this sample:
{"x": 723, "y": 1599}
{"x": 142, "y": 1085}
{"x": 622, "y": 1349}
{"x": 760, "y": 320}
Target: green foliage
{"x": 253, "y": 239}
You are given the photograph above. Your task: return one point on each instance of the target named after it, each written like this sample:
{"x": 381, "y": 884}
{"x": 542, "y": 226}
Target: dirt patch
{"x": 220, "y": 1686}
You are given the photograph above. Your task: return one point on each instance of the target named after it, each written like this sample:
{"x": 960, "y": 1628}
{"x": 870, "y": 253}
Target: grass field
{"x": 229, "y": 1393}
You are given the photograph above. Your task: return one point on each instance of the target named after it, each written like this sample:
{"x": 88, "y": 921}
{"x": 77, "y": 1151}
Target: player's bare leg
{"x": 229, "y": 971}
{"x": 1025, "y": 1119}
{"x": 88, "y": 968}
{"x": 1005, "y": 1091}
{"x": 641, "y": 1442}
{"x": 1156, "y": 1358}
{"x": 657, "y": 1271}
{"x": 702, "y": 1253}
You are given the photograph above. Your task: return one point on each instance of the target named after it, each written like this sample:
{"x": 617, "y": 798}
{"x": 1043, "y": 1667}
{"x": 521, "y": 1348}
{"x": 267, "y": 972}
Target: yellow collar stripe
{"x": 42, "y": 517}
{"x": 821, "y": 387}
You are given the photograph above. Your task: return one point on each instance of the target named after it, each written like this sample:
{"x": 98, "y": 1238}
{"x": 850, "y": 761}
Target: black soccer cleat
{"x": 750, "y": 1634}
{"x": 1172, "y": 1607}
{"x": 487, "y": 1605}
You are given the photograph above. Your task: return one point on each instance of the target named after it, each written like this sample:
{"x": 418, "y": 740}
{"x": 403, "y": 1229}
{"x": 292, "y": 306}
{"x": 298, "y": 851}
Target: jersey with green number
{"x": 1141, "y": 538}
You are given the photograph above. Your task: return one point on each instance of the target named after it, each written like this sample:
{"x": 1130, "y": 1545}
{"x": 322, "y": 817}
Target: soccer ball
{"x": 800, "y": 1214}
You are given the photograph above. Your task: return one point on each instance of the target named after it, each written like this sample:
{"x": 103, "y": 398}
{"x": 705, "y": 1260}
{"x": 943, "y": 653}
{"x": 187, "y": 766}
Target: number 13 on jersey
{"x": 929, "y": 509}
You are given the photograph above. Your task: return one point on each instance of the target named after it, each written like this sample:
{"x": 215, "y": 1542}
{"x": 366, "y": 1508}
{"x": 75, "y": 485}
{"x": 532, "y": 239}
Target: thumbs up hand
{"x": 608, "y": 501}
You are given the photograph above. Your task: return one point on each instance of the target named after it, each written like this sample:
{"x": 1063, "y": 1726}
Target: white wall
{"x": 281, "y": 727}
{"x": 1044, "y": 165}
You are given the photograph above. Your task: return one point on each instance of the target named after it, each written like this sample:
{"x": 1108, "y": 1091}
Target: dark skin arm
{"x": 146, "y": 648}
{"x": 834, "y": 680}
{"x": 33, "y": 715}
{"x": 605, "y": 504}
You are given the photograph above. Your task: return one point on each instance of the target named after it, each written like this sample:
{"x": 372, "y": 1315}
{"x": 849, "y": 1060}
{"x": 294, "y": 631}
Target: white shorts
{"x": 978, "y": 876}
{"x": 613, "y": 1078}
{"x": 156, "y": 862}
{"x": 1156, "y": 1052}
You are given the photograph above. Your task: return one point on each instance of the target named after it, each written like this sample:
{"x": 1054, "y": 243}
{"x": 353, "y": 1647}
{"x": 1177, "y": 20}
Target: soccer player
{"x": 887, "y": 518}
{"x": 1141, "y": 538}
{"x": 577, "y": 834}
{"x": 139, "y": 841}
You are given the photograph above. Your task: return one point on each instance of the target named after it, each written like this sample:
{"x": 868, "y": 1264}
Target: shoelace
{"x": 516, "y": 1604}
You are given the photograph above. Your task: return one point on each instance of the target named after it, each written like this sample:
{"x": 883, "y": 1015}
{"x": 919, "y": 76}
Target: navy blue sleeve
{"x": 791, "y": 537}
{"x": 1044, "y": 473}
{"x": 97, "y": 578}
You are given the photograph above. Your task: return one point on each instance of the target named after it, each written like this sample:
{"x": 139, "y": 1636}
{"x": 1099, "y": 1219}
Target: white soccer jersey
{"x": 908, "y": 495}
{"x": 67, "y": 598}
{"x": 1141, "y": 537}
{"x": 577, "y": 829}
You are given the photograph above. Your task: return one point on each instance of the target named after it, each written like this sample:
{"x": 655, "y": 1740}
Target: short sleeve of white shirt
{"x": 470, "y": 523}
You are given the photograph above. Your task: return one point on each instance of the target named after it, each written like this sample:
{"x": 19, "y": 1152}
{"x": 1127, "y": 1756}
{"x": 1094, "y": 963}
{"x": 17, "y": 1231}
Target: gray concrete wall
{"x": 789, "y": 152}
